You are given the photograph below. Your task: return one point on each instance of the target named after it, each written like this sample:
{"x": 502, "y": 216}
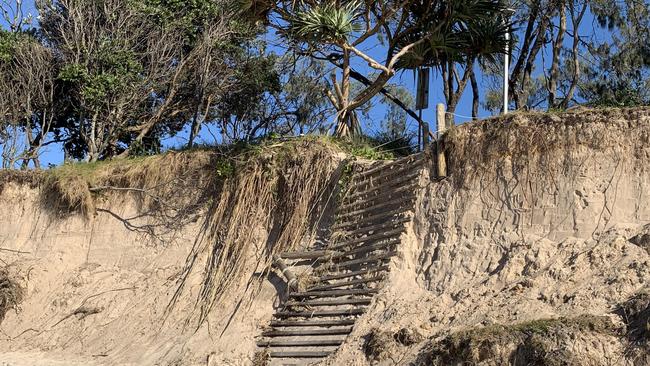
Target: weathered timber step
{"x": 370, "y": 259}
{"x": 399, "y": 163}
{"x": 302, "y": 343}
{"x": 383, "y": 180}
{"x": 336, "y": 247}
{"x": 318, "y": 314}
{"x": 366, "y": 189}
{"x": 401, "y": 192}
{"x": 300, "y": 354}
{"x": 306, "y": 332}
{"x": 311, "y": 323}
{"x": 334, "y": 293}
{"x": 332, "y": 255}
{"x": 347, "y": 283}
{"x": 358, "y": 223}
{"x": 312, "y": 254}
{"x": 374, "y": 229}
{"x": 392, "y": 205}
{"x": 366, "y": 248}
{"x": 325, "y": 255}
{"x": 353, "y": 274}
{"x": 372, "y": 205}
{"x": 331, "y": 302}
{"x": 363, "y": 190}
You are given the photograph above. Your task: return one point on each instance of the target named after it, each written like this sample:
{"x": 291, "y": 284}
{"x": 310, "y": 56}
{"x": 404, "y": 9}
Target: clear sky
{"x": 53, "y": 154}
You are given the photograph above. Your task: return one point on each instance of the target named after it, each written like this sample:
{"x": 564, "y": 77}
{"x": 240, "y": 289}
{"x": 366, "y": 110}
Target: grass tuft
{"x": 11, "y": 293}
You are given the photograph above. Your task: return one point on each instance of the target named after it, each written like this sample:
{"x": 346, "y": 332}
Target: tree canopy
{"x": 111, "y": 78}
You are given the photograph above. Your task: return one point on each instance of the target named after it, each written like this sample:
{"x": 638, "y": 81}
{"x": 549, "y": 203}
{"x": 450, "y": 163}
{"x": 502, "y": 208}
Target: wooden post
{"x": 425, "y": 135}
{"x": 440, "y": 122}
{"x": 292, "y": 281}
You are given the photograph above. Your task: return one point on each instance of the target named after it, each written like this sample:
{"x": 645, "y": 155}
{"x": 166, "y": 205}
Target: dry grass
{"x": 379, "y": 345}
{"x": 250, "y": 204}
{"x": 537, "y": 342}
{"x": 279, "y": 191}
{"x": 153, "y": 181}
{"x": 28, "y": 178}
{"x": 11, "y": 293}
{"x": 542, "y": 140}
{"x": 635, "y": 313}
{"x": 261, "y": 358}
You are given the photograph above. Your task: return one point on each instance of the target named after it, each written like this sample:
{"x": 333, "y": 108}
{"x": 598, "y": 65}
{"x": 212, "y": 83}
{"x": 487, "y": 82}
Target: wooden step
{"x": 395, "y": 180}
{"x": 334, "y": 293}
{"x": 381, "y": 227}
{"x": 369, "y": 201}
{"x": 365, "y": 239}
{"x": 312, "y": 254}
{"x": 408, "y": 161}
{"x": 397, "y": 205}
{"x": 311, "y": 323}
{"x": 361, "y": 190}
{"x": 374, "y": 258}
{"x": 331, "y": 302}
{"x": 317, "y": 314}
{"x": 359, "y": 249}
{"x": 366, "y": 248}
{"x": 347, "y": 283}
{"x": 300, "y": 343}
{"x": 306, "y": 332}
{"x": 300, "y": 354}
{"x": 354, "y": 273}
{"x": 360, "y": 195}
{"x": 382, "y": 216}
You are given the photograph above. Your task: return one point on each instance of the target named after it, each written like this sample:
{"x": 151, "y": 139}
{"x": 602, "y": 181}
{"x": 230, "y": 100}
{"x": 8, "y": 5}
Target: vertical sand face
{"x": 98, "y": 291}
{"x": 533, "y": 223}
{"x": 543, "y": 217}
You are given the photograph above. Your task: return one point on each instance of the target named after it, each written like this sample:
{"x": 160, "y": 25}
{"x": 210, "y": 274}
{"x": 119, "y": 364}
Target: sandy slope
{"x": 521, "y": 238}
{"x": 524, "y": 238}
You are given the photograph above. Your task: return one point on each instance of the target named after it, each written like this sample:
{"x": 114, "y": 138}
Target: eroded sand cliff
{"x": 533, "y": 251}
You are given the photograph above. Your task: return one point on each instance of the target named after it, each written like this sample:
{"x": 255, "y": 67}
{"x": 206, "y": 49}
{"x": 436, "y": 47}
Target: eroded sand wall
{"x": 533, "y": 223}
{"x": 99, "y": 291}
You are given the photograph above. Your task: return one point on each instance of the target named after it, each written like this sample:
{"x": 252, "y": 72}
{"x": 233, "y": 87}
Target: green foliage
{"x": 362, "y": 147}
{"x": 225, "y": 168}
{"x": 328, "y": 22}
{"x": 192, "y": 16}
{"x": 8, "y": 42}
{"x": 454, "y": 31}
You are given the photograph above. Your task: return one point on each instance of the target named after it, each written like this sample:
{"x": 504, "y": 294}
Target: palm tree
{"x": 411, "y": 33}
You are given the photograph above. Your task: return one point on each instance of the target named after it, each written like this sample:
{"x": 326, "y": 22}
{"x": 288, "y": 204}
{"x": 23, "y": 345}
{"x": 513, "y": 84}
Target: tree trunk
{"x": 515, "y": 82}
{"x": 575, "y": 20}
{"x": 555, "y": 65}
{"x": 537, "y": 46}
{"x": 475, "y": 94}
{"x": 345, "y": 124}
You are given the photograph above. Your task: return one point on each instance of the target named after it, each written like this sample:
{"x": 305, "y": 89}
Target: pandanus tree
{"x": 403, "y": 34}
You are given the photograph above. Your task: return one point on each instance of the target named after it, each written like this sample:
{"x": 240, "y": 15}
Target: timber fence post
{"x": 440, "y": 123}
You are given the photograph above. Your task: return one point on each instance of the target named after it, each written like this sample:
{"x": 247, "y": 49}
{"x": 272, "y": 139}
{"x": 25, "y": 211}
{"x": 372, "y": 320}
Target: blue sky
{"x": 53, "y": 154}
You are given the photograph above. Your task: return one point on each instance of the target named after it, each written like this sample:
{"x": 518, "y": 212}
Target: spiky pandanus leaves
{"x": 326, "y": 22}
{"x": 455, "y": 30}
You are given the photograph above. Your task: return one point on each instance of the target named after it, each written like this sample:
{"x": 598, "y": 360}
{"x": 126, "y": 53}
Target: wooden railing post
{"x": 292, "y": 281}
{"x": 425, "y": 135}
{"x": 440, "y": 123}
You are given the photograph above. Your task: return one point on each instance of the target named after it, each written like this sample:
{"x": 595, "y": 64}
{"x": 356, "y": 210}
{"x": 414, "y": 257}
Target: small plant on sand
{"x": 11, "y": 294}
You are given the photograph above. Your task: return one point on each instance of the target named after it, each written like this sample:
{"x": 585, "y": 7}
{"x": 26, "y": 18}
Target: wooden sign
{"x": 422, "y": 95}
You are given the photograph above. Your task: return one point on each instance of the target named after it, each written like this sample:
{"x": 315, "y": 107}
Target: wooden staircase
{"x": 370, "y": 219}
